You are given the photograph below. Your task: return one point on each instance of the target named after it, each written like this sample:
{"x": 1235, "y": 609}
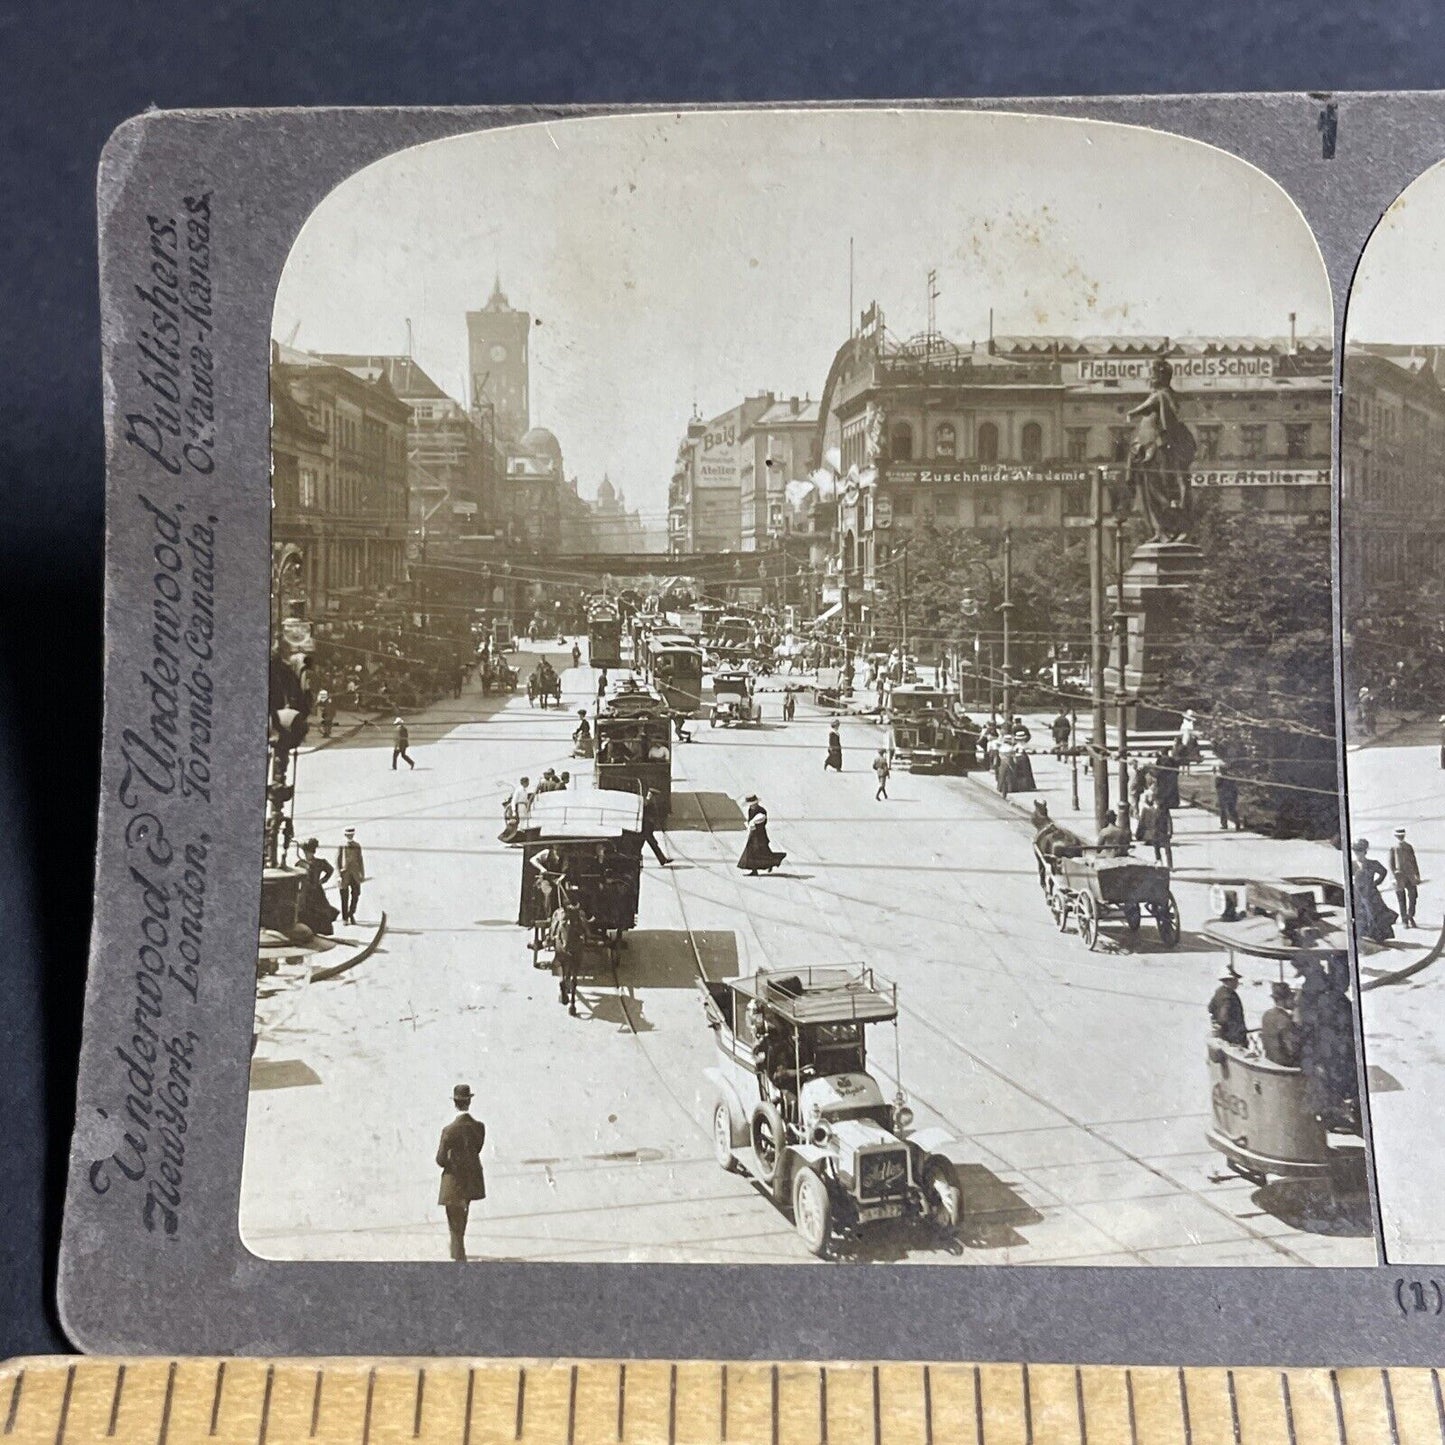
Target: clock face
{"x": 499, "y": 353}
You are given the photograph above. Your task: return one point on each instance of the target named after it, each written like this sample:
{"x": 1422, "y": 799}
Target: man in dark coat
{"x": 1405, "y": 870}
{"x": 351, "y": 871}
{"x": 1226, "y": 1012}
{"x": 1279, "y": 1034}
{"x": 459, "y": 1157}
{"x": 399, "y": 743}
{"x": 834, "y": 758}
{"x": 1226, "y": 798}
{"x": 1166, "y": 780}
{"x": 651, "y": 818}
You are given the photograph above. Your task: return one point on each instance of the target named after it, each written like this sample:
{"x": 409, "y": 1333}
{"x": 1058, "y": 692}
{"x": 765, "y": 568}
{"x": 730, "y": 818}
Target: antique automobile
{"x": 1284, "y": 1101}
{"x": 733, "y": 700}
{"x": 634, "y": 740}
{"x": 798, "y": 1110}
{"x": 1086, "y": 885}
{"x": 927, "y": 734}
{"x": 593, "y": 847}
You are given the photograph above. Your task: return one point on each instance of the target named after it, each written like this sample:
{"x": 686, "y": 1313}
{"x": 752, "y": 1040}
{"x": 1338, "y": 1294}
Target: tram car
{"x": 1284, "y": 1095}
{"x": 675, "y": 666}
{"x": 634, "y": 745}
{"x": 604, "y": 634}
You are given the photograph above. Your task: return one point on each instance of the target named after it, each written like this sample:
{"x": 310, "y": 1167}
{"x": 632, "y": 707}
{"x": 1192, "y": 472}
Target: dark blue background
{"x": 74, "y": 71}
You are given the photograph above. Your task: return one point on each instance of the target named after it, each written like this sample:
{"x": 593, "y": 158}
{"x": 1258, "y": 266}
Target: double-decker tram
{"x": 604, "y": 633}
{"x": 675, "y": 666}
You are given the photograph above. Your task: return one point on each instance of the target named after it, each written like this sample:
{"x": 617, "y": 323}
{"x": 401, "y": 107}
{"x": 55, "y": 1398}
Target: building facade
{"x": 529, "y": 502}
{"x": 616, "y": 528}
{"x": 339, "y": 479}
{"x": 705, "y": 499}
{"x": 1392, "y": 470}
{"x": 498, "y": 341}
{"x": 1011, "y": 433}
{"x": 452, "y": 467}
{"x": 779, "y": 446}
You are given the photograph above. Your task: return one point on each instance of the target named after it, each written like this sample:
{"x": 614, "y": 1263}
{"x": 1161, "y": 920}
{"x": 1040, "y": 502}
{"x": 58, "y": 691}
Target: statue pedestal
{"x": 1157, "y": 580}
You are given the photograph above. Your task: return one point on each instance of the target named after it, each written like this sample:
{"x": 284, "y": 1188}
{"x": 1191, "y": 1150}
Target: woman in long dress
{"x": 758, "y": 854}
{"x": 313, "y": 908}
{"x": 1373, "y": 916}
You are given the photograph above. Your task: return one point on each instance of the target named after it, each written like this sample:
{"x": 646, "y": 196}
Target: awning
{"x": 831, "y": 612}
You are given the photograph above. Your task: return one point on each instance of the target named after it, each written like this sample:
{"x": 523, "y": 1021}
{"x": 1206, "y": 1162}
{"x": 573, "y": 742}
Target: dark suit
{"x": 1406, "y": 870}
{"x": 459, "y": 1157}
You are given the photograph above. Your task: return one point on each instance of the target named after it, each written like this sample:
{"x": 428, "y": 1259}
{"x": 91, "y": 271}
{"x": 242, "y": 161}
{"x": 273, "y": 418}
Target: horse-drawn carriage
{"x": 581, "y": 871}
{"x": 497, "y": 676}
{"x": 733, "y": 700}
{"x": 1087, "y": 885}
{"x": 544, "y": 686}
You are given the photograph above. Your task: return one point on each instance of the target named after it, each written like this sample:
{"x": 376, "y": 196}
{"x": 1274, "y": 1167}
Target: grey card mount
{"x": 729, "y": 732}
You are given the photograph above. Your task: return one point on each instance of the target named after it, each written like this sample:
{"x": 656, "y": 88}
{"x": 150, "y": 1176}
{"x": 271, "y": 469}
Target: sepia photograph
{"x": 1392, "y": 593}
{"x": 803, "y": 704}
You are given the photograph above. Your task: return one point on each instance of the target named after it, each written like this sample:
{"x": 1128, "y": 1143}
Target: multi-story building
{"x": 529, "y": 503}
{"x": 452, "y": 465}
{"x": 1392, "y": 469}
{"x": 498, "y": 338}
{"x": 616, "y": 528}
{"x": 339, "y": 458}
{"x": 1010, "y": 433}
{"x": 778, "y": 446}
{"x": 705, "y": 500}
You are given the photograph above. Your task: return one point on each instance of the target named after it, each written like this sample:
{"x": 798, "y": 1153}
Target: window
{"x": 903, "y": 504}
{"x": 987, "y": 442}
{"x": 945, "y": 440}
{"x": 1076, "y": 501}
{"x": 310, "y": 495}
{"x": 1034, "y": 504}
{"x": 1031, "y": 442}
{"x": 1297, "y": 440}
{"x": 987, "y": 505}
{"x": 947, "y": 505}
{"x": 900, "y": 442}
{"x": 1251, "y": 441}
{"x": 1078, "y": 443}
{"x": 1119, "y": 439}
{"x": 1208, "y": 442}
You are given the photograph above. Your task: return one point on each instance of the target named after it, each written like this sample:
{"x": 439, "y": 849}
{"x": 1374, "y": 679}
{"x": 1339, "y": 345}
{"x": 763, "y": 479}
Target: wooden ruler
{"x": 60, "y": 1401}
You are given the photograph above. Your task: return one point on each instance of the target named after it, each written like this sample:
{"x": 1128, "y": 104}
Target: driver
{"x": 771, "y": 1057}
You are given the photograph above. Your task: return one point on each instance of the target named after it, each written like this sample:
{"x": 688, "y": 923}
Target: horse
{"x": 569, "y": 935}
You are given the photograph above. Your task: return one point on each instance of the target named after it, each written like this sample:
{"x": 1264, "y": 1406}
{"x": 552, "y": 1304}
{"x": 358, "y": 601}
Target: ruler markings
{"x": 1184, "y": 1408}
{"x": 1390, "y": 1407}
{"x": 621, "y": 1398}
{"x": 1339, "y": 1408}
{"x": 928, "y": 1405}
{"x": 420, "y": 1399}
{"x": 1133, "y": 1418}
{"x": 672, "y": 1405}
{"x": 19, "y": 1385}
{"x": 823, "y": 1404}
{"x": 521, "y": 1402}
{"x": 266, "y": 1404}
{"x": 216, "y": 1398}
{"x": 723, "y": 1388}
{"x": 1028, "y": 1397}
{"x": 115, "y": 1400}
{"x": 1288, "y": 1407}
{"x": 1079, "y": 1405}
{"x": 165, "y": 1429}
{"x": 978, "y": 1404}
{"x": 366, "y": 1409}
{"x": 1233, "y": 1406}
{"x": 316, "y": 1402}
{"x": 65, "y": 1406}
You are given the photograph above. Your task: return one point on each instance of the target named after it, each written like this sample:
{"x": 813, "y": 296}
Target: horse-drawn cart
{"x": 1086, "y": 885}
{"x": 581, "y": 853}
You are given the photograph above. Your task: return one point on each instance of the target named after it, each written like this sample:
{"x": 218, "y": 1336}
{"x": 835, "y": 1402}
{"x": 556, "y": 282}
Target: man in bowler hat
{"x": 459, "y": 1157}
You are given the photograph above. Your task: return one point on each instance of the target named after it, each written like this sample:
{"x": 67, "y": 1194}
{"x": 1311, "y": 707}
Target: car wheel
{"x": 769, "y": 1137}
{"x": 813, "y": 1212}
{"x": 942, "y": 1193}
{"x": 722, "y": 1137}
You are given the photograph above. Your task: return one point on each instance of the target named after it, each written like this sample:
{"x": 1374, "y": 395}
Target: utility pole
{"x": 1098, "y": 743}
{"x": 903, "y": 594}
{"x": 1006, "y": 607}
{"x": 1121, "y": 631}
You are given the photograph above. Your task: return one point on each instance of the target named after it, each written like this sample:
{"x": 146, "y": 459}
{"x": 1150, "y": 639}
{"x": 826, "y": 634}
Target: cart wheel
{"x": 1059, "y": 907}
{"x": 1167, "y": 917}
{"x": 1086, "y": 911}
{"x": 722, "y": 1137}
{"x": 769, "y": 1137}
{"x": 813, "y": 1212}
{"x": 1133, "y": 916}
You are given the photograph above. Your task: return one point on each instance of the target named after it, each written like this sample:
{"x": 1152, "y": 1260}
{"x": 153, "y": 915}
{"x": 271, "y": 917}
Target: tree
{"x": 1255, "y": 659}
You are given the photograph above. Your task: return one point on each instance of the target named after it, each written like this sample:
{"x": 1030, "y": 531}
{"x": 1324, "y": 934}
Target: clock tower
{"x": 497, "y": 338}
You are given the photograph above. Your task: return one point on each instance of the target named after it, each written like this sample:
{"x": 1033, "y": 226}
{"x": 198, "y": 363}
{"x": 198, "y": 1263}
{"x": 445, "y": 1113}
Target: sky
{"x": 1398, "y": 294}
{"x": 675, "y": 260}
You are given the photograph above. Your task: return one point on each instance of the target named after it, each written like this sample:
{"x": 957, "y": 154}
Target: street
{"x": 1077, "y": 1080}
{"x": 1397, "y": 782}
